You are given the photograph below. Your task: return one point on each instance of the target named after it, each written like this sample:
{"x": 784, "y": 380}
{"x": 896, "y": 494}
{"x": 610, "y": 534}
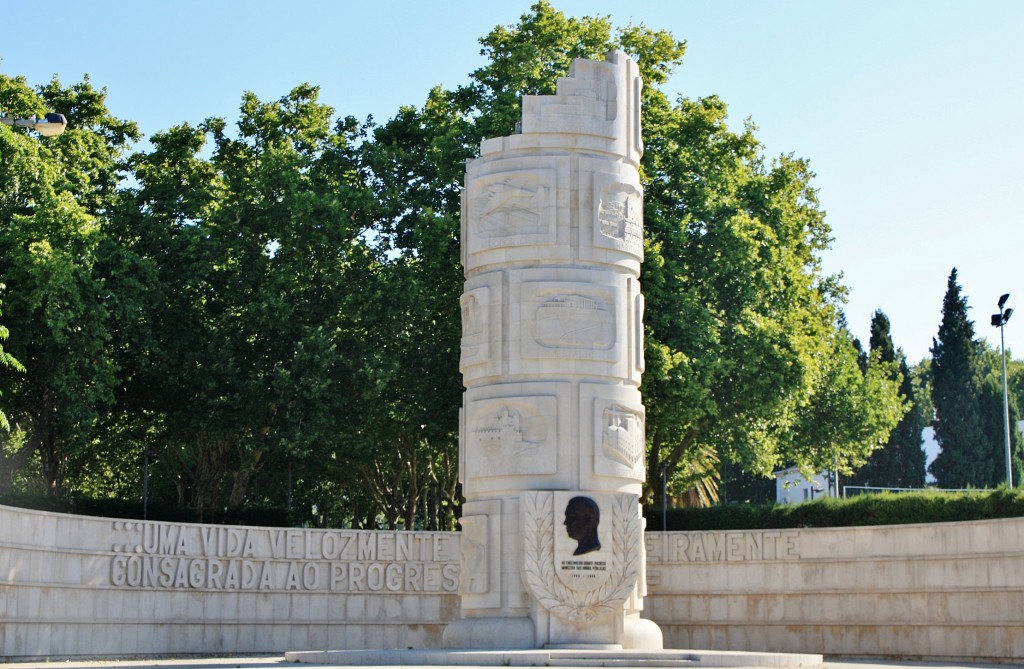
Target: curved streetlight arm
{"x": 50, "y": 125}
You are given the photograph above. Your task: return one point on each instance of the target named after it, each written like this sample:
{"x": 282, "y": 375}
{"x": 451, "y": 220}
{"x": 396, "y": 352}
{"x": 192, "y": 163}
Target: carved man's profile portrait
{"x": 582, "y": 517}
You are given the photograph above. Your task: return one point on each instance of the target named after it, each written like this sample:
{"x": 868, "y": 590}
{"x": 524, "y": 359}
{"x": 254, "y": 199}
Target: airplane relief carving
{"x": 508, "y": 209}
{"x": 513, "y": 208}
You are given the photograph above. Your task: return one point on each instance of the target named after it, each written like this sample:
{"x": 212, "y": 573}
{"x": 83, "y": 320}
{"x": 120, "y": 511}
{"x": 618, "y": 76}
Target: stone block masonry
{"x": 552, "y": 424}
{"x": 943, "y": 592}
{"x": 74, "y": 586}
{"x": 80, "y": 586}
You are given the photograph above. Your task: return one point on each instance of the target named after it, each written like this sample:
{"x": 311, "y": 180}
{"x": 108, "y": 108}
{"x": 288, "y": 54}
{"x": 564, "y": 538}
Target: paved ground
{"x": 277, "y": 662}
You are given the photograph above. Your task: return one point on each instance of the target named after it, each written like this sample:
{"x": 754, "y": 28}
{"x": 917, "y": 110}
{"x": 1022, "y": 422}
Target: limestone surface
{"x": 552, "y": 423}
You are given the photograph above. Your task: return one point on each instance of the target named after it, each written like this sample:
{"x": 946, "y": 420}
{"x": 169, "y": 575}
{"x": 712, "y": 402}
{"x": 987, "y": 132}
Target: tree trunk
{"x": 12, "y": 464}
{"x": 243, "y": 476}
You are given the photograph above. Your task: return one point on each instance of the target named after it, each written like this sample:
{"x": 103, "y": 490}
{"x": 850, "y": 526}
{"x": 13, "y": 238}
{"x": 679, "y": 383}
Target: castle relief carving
{"x": 505, "y": 433}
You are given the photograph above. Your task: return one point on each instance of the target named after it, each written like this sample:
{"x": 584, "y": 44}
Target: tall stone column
{"x": 552, "y": 424}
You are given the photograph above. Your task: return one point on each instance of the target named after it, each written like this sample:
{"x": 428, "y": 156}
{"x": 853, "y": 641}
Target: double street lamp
{"x": 50, "y": 125}
{"x": 999, "y": 320}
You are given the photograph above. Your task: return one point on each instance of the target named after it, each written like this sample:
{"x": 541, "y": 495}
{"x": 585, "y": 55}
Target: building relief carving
{"x": 512, "y": 435}
{"x": 615, "y": 204}
{"x": 623, "y": 435}
{"x": 574, "y": 321}
{"x": 620, "y": 216}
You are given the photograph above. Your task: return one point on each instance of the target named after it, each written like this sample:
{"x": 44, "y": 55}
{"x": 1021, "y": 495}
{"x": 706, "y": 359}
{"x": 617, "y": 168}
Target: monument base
{"x": 641, "y": 634}
{"x": 519, "y": 634}
{"x": 555, "y": 658}
{"x": 487, "y": 633}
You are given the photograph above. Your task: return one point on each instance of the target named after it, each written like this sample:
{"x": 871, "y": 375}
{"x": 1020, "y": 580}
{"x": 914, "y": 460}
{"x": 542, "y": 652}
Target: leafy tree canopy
{"x": 277, "y": 308}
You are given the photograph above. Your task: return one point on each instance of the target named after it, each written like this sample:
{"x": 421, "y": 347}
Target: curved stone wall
{"x": 950, "y": 591}
{"x": 81, "y": 586}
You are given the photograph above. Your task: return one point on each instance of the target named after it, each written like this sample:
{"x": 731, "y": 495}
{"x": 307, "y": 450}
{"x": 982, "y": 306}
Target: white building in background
{"x": 792, "y": 488}
{"x": 932, "y": 448}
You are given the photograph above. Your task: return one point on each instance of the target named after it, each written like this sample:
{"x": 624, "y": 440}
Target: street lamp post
{"x": 999, "y": 320}
{"x": 50, "y": 125}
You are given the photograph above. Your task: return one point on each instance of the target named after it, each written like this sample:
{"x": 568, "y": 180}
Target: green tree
{"x": 966, "y": 457}
{"x": 6, "y": 361}
{"x": 1015, "y": 388}
{"x": 993, "y": 420}
{"x": 852, "y": 412}
{"x": 280, "y": 306}
{"x": 416, "y": 162}
{"x": 744, "y": 337}
{"x": 740, "y": 320}
{"x": 900, "y": 463}
{"x": 251, "y": 259}
{"x": 51, "y": 224}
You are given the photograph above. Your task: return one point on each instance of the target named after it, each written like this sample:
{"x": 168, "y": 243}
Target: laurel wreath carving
{"x": 539, "y": 564}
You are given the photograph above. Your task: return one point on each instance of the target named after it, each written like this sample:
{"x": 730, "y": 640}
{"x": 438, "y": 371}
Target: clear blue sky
{"x": 910, "y": 112}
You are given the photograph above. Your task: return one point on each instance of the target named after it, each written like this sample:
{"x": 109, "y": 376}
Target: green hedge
{"x": 132, "y": 509}
{"x": 869, "y": 509}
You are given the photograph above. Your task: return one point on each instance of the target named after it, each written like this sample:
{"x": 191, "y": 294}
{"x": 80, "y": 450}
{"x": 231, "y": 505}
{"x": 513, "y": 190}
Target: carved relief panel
{"x": 473, "y": 559}
{"x": 482, "y": 336}
{"x": 514, "y": 430}
{"x": 619, "y": 208}
{"x": 582, "y": 551}
{"x": 481, "y": 554}
{"x": 512, "y": 436}
{"x": 516, "y": 209}
{"x": 612, "y": 433}
{"x": 476, "y": 327}
{"x": 611, "y": 214}
{"x": 568, "y": 326}
{"x": 621, "y": 431}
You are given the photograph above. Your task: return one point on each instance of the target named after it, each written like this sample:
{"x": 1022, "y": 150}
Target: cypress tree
{"x": 966, "y": 457}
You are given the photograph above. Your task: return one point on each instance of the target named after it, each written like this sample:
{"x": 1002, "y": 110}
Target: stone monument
{"x": 552, "y": 423}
